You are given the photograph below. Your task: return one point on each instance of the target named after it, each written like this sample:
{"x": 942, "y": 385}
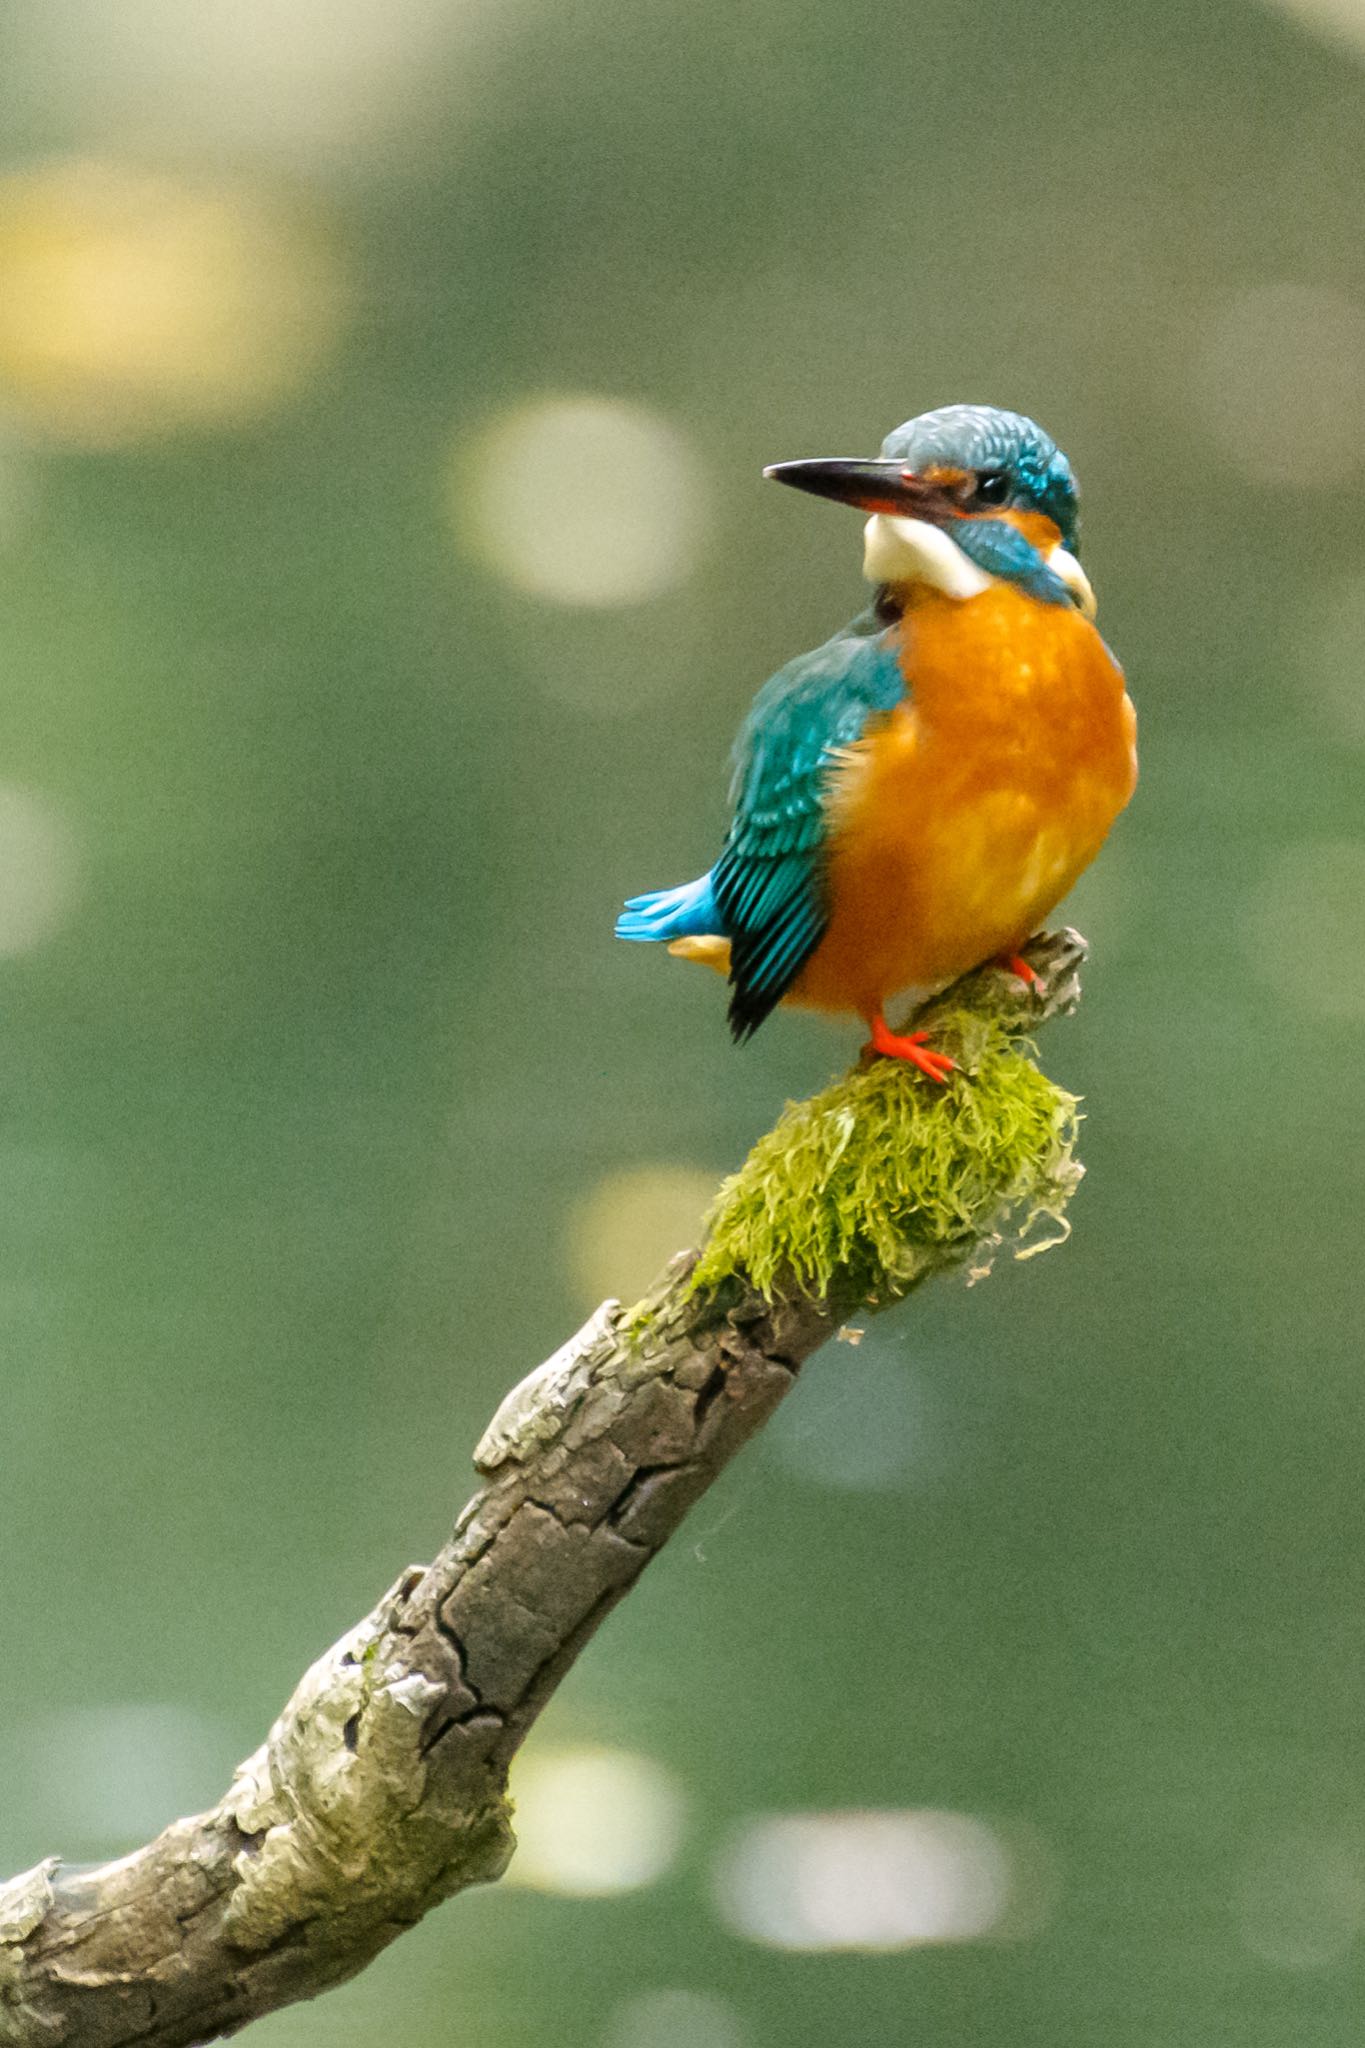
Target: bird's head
{"x": 958, "y": 499}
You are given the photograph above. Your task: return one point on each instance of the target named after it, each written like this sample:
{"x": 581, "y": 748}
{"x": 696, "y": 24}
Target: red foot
{"x": 893, "y": 1045}
{"x": 1015, "y": 963}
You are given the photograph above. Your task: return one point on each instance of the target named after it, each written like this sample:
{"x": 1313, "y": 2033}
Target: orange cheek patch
{"x": 1035, "y": 526}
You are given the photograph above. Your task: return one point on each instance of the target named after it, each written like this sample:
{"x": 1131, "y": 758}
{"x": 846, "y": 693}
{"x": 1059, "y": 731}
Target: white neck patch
{"x": 913, "y": 551}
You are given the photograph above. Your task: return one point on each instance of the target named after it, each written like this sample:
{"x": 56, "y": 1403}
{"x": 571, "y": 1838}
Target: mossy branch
{"x": 859, "y": 1193}
{"x": 381, "y": 1789}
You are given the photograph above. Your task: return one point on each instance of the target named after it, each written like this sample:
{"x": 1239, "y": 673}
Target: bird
{"x": 911, "y": 799}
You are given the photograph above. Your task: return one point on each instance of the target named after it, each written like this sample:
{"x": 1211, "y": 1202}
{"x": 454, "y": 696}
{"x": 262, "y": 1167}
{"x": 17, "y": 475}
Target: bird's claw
{"x": 913, "y": 1048}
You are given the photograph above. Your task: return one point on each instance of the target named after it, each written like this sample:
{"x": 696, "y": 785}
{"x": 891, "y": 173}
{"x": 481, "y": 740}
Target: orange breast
{"x": 967, "y": 815}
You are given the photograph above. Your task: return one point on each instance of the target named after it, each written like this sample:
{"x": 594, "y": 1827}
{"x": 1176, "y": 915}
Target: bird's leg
{"x": 893, "y": 1045}
{"x": 1015, "y": 963}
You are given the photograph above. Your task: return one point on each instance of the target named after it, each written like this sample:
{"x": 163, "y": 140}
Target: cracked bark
{"x": 381, "y": 1787}
{"x": 380, "y": 1790}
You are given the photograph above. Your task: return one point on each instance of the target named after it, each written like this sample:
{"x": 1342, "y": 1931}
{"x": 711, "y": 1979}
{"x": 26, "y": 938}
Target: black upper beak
{"x": 872, "y": 486}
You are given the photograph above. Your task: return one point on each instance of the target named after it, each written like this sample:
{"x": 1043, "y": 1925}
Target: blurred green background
{"x": 384, "y": 567}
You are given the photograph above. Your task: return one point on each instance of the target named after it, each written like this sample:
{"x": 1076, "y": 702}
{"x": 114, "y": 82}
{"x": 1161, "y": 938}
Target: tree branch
{"x": 381, "y": 1788}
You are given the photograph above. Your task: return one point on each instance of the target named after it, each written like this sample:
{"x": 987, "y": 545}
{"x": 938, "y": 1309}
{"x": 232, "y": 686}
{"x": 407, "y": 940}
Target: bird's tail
{"x": 686, "y": 913}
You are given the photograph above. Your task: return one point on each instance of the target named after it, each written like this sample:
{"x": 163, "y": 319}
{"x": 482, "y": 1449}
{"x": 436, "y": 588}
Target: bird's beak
{"x": 872, "y": 486}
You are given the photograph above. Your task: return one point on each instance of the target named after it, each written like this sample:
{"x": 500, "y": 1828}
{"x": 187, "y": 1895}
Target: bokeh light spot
{"x": 623, "y": 1229}
{"x": 1337, "y": 21}
{"x": 1305, "y": 928}
{"x": 674, "y": 2019}
{"x": 39, "y": 870}
{"x": 302, "y": 80}
{"x": 586, "y": 501}
{"x": 134, "y": 304}
{"x": 1279, "y": 382}
{"x": 1302, "y": 1900}
{"x": 860, "y": 1421}
{"x": 864, "y": 1880}
{"x": 593, "y": 1821}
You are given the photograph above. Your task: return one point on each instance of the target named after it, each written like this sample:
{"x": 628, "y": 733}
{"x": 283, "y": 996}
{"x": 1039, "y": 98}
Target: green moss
{"x": 640, "y": 1321}
{"x": 860, "y": 1192}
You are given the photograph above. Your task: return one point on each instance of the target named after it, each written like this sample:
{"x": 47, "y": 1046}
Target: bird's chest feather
{"x": 965, "y": 816}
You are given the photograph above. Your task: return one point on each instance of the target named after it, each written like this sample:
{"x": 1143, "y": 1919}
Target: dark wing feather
{"x": 769, "y": 881}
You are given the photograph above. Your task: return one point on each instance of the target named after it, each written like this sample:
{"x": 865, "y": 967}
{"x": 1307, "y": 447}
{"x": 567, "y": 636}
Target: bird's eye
{"x": 992, "y": 487}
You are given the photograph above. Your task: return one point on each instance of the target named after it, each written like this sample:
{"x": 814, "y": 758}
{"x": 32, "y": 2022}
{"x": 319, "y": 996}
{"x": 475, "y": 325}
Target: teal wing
{"x": 769, "y": 883}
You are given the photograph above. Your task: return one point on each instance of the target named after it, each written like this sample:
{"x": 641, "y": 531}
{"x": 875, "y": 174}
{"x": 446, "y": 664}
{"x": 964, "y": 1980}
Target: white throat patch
{"x": 912, "y": 551}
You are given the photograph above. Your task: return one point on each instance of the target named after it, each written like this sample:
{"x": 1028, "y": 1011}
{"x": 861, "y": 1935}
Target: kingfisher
{"x": 912, "y": 798}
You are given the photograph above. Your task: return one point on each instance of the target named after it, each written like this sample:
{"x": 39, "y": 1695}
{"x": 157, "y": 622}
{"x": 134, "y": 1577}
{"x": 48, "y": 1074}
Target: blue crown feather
{"x": 982, "y": 438}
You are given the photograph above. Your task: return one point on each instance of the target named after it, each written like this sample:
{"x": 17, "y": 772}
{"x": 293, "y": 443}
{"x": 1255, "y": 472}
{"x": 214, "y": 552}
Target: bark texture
{"x": 380, "y": 1790}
